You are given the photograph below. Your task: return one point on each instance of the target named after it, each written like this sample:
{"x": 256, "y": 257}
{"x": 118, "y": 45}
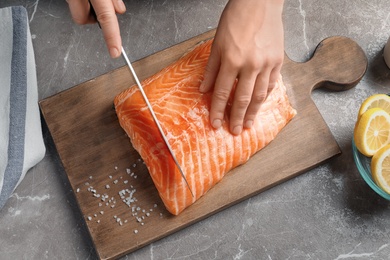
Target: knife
{"x": 154, "y": 117}
{"x": 141, "y": 89}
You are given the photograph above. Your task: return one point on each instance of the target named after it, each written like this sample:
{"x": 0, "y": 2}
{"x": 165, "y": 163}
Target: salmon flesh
{"x": 204, "y": 153}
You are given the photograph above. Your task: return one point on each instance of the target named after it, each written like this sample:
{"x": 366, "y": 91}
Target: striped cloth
{"x": 21, "y": 141}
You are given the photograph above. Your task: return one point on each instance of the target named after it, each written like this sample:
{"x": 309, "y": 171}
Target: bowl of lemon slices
{"x": 371, "y": 143}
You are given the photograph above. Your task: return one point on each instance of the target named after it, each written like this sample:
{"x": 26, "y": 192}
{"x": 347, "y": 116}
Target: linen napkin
{"x": 21, "y": 141}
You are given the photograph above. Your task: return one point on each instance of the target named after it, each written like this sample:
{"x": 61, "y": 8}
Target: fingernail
{"x": 217, "y": 123}
{"x": 114, "y": 53}
{"x": 202, "y": 87}
{"x": 122, "y": 5}
{"x": 248, "y": 124}
{"x": 237, "y": 130}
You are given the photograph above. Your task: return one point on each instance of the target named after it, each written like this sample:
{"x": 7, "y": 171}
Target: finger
{"x": 241, "y": 102}
{"x": 105, "y": 13}
{"x": 119, "y": 6}
{"x": 80, "y": 11}
{"x": 259, "y": 95}
{"x": 273, "y": 78}
{"x": 223, "y": 87}
{"x": 211, "y": 71}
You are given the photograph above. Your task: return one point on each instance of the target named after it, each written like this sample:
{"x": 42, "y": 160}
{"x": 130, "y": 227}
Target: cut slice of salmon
{"x": 204, "y": 154}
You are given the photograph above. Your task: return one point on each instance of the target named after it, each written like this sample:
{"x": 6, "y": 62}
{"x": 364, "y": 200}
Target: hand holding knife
{"x": 93, "y": 13}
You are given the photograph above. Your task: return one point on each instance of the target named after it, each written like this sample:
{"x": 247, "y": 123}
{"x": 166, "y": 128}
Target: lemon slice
{"x": 372, "y": 131}
{"x": 380, "y": 168}
{"x": 377, "y": 100}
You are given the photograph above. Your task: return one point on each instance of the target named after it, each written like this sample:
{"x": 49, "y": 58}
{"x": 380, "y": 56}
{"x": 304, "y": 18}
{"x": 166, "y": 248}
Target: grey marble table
{"x": 326, "y": 213}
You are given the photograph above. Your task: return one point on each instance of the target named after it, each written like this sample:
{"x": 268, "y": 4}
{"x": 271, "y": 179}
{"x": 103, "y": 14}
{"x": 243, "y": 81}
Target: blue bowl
{"x": 363, "y": 164}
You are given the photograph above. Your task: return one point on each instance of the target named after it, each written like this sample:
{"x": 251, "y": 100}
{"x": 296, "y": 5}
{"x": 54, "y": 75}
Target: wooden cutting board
{"x": 105, "y": 172}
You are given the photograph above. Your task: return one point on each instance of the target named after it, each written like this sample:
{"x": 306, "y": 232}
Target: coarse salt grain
{"x": 126, "y": 195}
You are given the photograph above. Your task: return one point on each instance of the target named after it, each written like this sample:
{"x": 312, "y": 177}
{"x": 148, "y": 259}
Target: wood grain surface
{"x": 107, "y": 174}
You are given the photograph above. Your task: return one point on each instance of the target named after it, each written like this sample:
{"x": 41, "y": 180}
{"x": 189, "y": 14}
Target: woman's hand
{"x": 248, "y": 47}
{"x": 106, "y": 11}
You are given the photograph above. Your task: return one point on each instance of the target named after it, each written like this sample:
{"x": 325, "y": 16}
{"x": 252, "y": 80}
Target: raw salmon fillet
{"x": 204, "y": 154}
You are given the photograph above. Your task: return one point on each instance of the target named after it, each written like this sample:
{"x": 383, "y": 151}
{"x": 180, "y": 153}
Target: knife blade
{"x": 124, "y": 55}
{"x": 154, "y": 117}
